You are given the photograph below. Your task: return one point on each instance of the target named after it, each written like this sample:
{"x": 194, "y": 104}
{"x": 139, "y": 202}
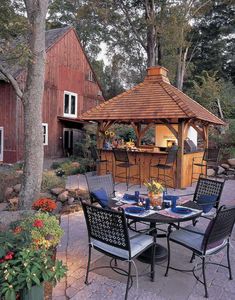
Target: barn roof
{"x": 153, "y": 99}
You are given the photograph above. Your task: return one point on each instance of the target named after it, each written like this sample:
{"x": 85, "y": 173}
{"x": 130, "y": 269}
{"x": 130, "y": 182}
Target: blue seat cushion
{"x": 101, "y": 197}
{"x": 207, "y": 202}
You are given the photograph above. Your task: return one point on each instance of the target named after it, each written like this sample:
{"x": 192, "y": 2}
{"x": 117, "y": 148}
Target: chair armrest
{"x": 185, "y": 229}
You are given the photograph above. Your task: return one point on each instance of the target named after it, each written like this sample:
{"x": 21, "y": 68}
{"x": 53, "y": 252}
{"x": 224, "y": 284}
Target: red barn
{"x": 70, "y": 89}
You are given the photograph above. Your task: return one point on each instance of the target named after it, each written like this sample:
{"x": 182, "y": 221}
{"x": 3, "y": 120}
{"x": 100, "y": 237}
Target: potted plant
{"x": 26, "y": 257}
{"x": 155, "y": 190}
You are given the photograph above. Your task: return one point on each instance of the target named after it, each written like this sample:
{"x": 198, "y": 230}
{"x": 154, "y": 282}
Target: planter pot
{"x": 35, "y": 293}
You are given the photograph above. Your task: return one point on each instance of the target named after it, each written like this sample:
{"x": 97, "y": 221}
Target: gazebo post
{"x": 206, "y": 135}
{"x": 180, "y": 155}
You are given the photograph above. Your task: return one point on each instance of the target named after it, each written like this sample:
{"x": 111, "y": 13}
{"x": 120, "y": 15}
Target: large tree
{"x": 31, "y": 96}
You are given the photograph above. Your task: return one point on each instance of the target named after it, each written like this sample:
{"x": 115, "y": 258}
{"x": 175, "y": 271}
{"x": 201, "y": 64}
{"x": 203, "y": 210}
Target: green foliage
{"x": 50, "y": 181}
{"x": 25, "y": 257}
{"x": 46, "y": 236}
{"x": 125, "y": 132}
{"x": 207, "y": 89}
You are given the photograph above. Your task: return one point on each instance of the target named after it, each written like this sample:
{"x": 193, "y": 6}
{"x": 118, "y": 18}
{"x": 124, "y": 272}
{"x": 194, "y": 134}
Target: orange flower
{"x": 17, "y": 230}
{"x": 44, "y": 204}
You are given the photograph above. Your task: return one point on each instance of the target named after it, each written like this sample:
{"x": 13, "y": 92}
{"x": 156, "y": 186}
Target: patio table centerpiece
{"x": 155, "y": 191}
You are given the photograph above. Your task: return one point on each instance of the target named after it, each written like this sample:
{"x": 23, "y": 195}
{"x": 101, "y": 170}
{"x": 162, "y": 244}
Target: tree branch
{"x": 125, "y": 11}
{"x": 12, "y": 80}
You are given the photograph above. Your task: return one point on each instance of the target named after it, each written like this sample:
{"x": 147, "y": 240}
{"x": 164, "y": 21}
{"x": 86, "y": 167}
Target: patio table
{"x": 156, "y": 218}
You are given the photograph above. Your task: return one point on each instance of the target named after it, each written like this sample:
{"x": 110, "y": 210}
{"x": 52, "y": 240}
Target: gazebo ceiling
{"x": 153, "y": 99}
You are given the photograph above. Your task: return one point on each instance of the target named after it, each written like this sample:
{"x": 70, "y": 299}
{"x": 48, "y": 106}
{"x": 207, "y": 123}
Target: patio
{"x": 105, "y": 284}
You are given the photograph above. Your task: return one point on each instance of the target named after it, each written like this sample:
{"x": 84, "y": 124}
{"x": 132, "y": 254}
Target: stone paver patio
{"x": 105, "y": 284}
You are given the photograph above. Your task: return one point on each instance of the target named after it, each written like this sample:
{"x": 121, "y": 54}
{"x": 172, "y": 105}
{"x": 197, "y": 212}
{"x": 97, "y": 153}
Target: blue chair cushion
{"x": 129, "y": 197}
{"x": 101, "y": 196}
{"x": 207, "y": 202}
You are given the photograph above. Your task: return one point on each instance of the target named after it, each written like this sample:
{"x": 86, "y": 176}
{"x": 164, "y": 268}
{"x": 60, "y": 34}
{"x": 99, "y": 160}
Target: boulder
{"x": 57, "y": 191}
{"x": 7, "y": 217}
{"x": 70, "y": 200}
{"x": 8, "y": 192}
{"x": 210, "y": 172}
{"x": 225, "y": 166}
{"x": 58, "y": 209}
{"x": 231, "y": 162}
{"x": 14, "y": 201}
{"x": 63, "y": 196}
{"x": 17, "y": 188}
{"x": 220, "y": 170}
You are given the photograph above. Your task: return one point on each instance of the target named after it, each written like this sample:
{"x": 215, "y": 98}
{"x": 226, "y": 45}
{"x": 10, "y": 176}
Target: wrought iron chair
{"x": 205, "y": 243}
{"x": 206, "y": 186}
{"x": 210, "y": 159}
{"x": 167, "y": 166}
{"x": 108, "y": 234}
{"x": 97, "y": 159}
{"x": 122, "y": 161}
{"x": 96, "y": 182}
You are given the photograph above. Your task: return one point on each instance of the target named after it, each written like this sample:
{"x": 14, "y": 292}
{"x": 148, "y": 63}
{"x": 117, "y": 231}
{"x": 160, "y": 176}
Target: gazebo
{"x": 155, "y": 102}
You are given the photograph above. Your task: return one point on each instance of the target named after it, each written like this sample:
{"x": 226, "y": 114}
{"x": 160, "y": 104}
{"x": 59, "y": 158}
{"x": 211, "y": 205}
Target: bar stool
{"x": 210, "y": 156}
{"x": 166, "y": 166}
{"x": 98, "y": 160}
{"x": 122, "y": 161}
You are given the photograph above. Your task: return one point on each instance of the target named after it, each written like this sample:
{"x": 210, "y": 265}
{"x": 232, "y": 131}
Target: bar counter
{"x": 149, "y": 156}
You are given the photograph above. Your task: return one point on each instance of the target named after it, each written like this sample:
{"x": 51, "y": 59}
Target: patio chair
{"x": 205, "y": 243}
{"x": 98, "y": 182}
{"x": 210, "y": 159}
{"x": 108, "y": 234}
{"x": 202, "y": 196}
{"x": 98, "y": 160}
{"x": 167, "y": 166}
{"x": 122, "y": 161}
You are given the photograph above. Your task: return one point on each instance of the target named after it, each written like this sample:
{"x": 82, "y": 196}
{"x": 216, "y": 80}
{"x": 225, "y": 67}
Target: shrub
{"x": 44, "y": 204}
{"x": 50, "y": 181}
{"x": 44, "y": 230}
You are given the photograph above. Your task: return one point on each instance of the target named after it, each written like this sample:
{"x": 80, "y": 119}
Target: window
{"x": 70, "y": 104}
{"x": 45, "y": 133}
{"x": 91, "y": 76}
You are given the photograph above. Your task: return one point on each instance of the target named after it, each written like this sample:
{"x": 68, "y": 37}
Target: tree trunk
{"x": 32, "y": 101}
{"x": 151, "y": 33}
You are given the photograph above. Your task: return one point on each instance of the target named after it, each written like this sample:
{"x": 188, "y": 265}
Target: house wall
{"x": 8, "y": 122}
{"x": 67, "y": 69}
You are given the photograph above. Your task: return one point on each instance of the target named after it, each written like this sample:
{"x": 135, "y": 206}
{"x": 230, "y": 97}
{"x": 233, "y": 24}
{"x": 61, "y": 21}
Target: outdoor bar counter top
{"x": 146, "y": 156}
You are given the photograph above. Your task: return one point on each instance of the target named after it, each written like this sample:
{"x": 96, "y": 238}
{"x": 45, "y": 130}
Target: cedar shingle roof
{"x": 153, "y": 99}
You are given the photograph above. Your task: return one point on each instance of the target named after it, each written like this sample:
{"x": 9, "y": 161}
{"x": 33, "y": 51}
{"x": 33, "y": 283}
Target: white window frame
{"x": 90, "y": 76}
{"x": 2, "y": 139}
{"x": 69, "y": 115}
{"x": 46, "y": 134}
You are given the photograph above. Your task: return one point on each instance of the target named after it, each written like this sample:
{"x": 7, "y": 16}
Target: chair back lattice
{"x": 121, "y": 155}
{"x": 221, "y": 227}
{"x": 94, "y": 153}
{"x": 171, "y": 156}
{"x": 207, "y": 186}
{"x": 211, "y": 155}
{"x": 107, "y": 226}
{"x": 102, "y": 181}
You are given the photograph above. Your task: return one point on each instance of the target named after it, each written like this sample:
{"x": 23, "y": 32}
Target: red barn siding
{"x": 8, "y": 122}
{"x": 66, "y": 69}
